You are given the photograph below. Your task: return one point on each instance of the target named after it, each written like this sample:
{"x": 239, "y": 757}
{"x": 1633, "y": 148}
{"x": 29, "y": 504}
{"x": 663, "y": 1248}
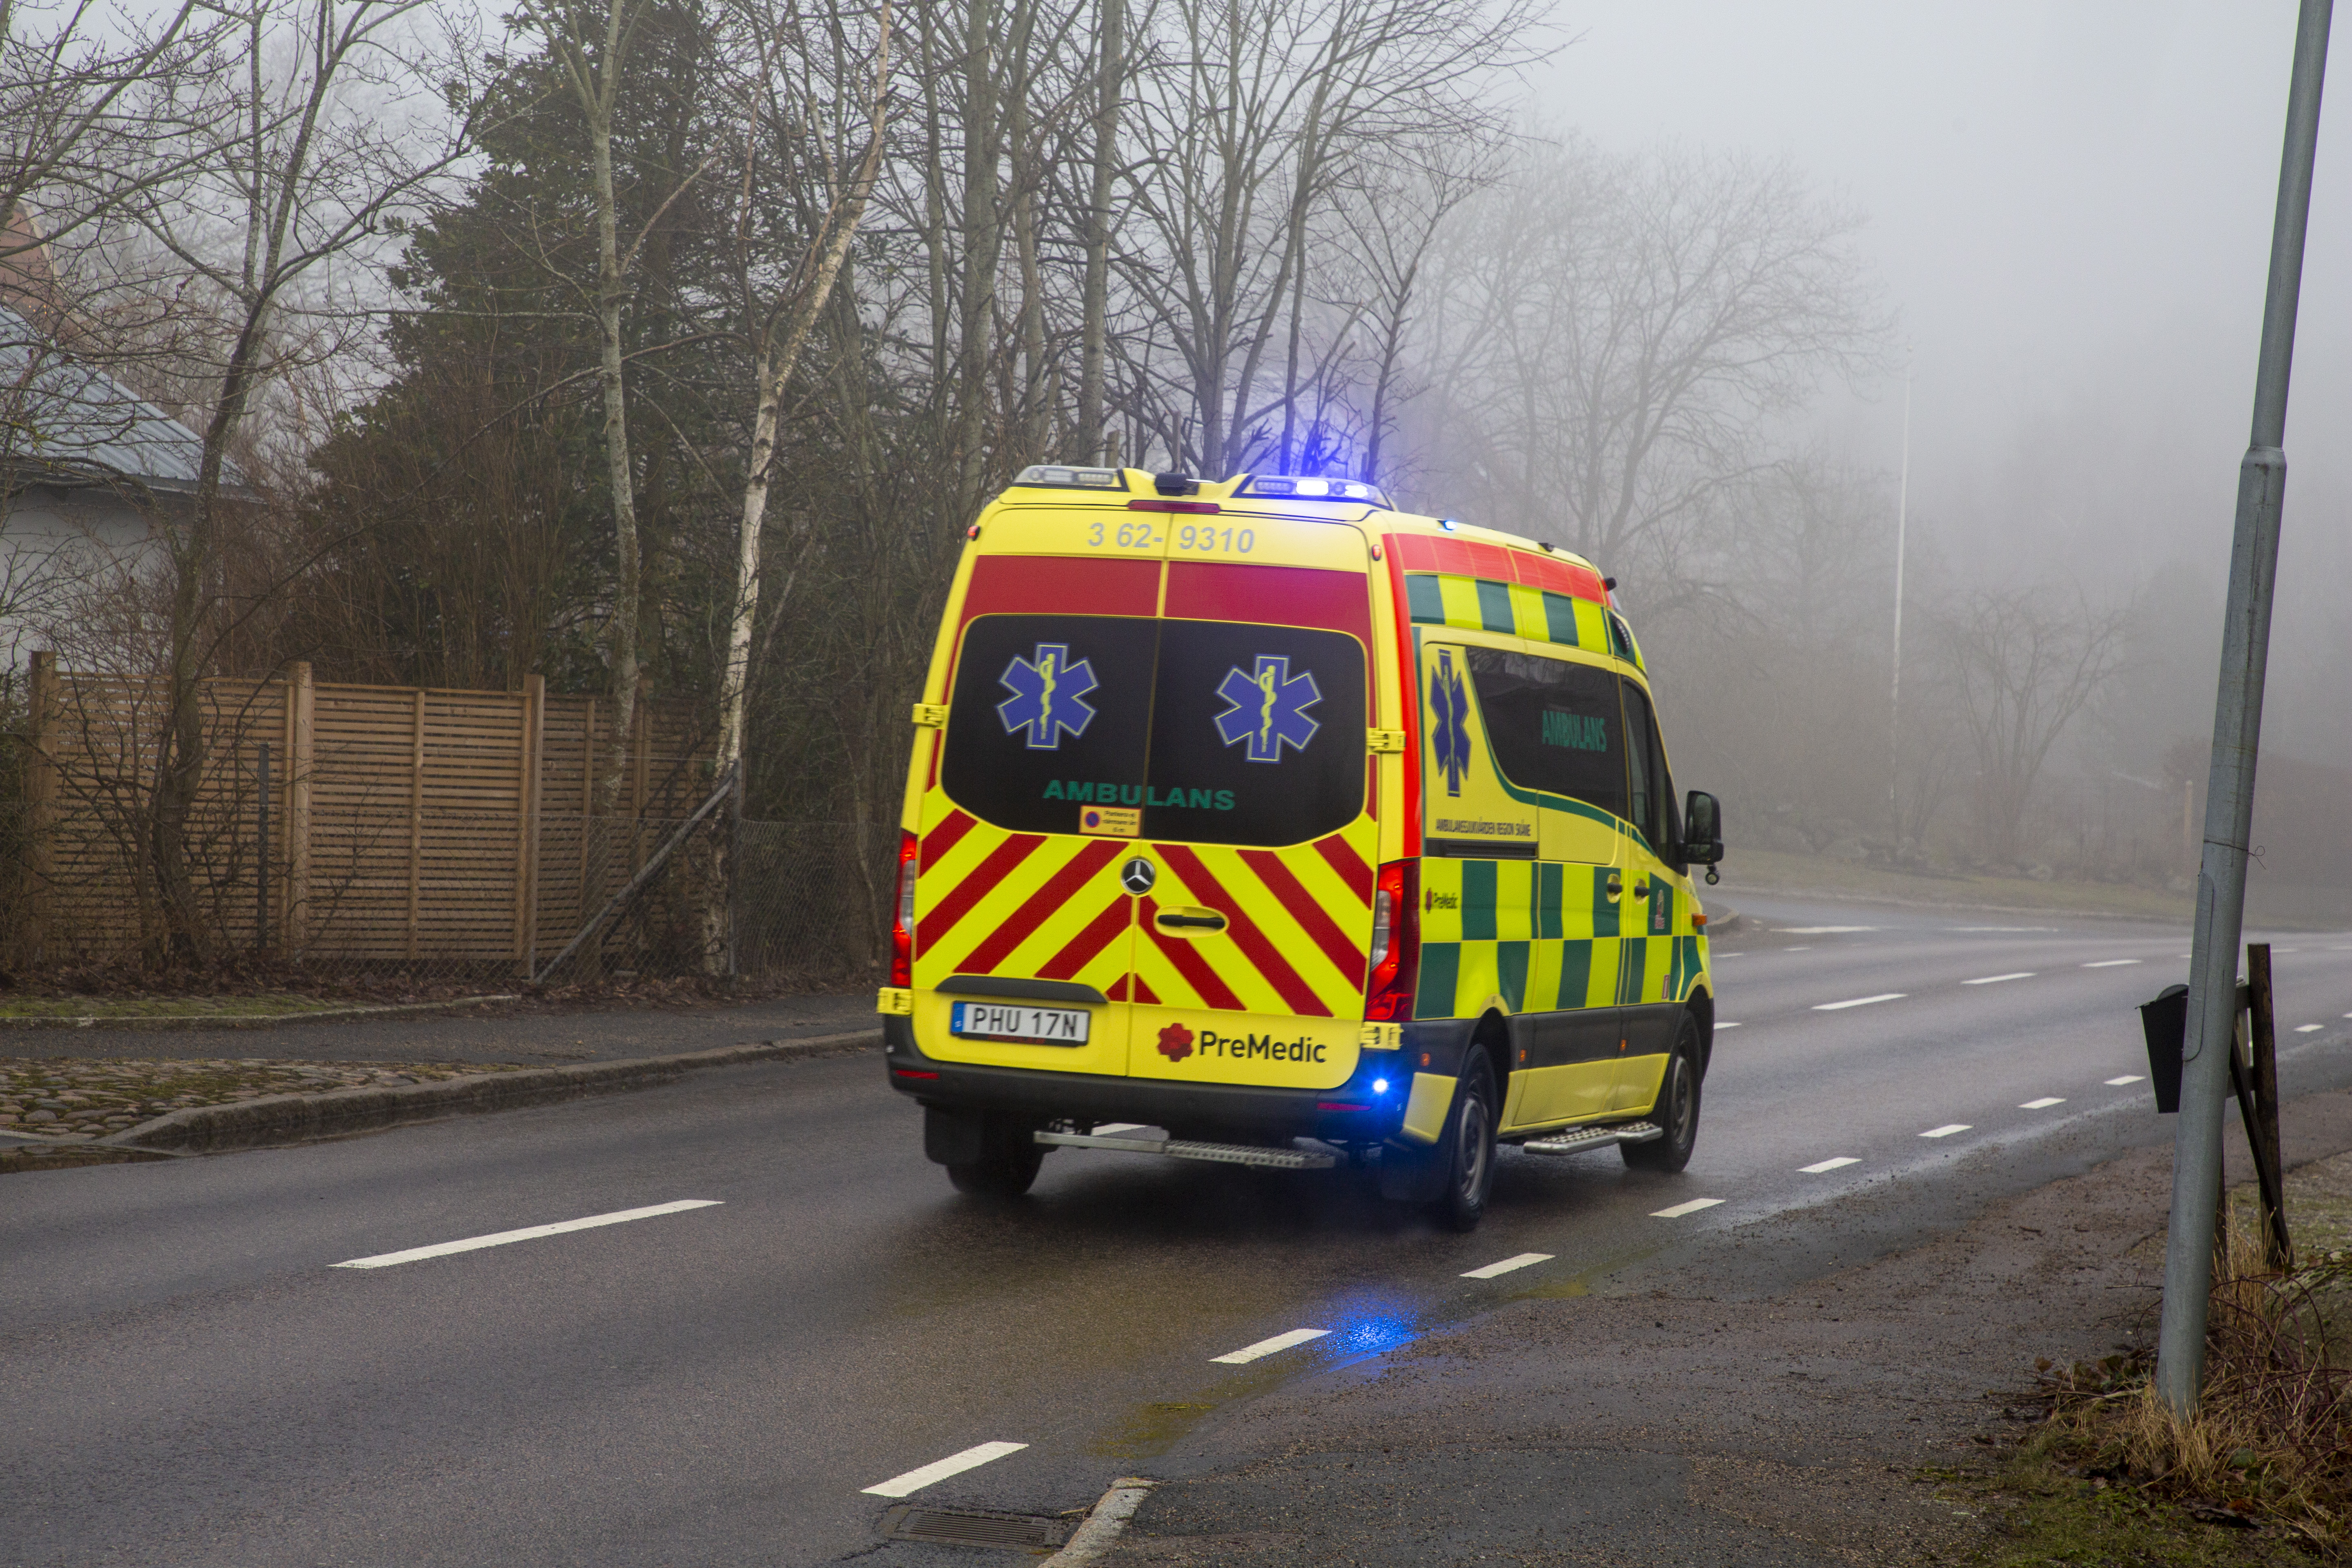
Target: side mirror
{"x": 1702, "y": 829}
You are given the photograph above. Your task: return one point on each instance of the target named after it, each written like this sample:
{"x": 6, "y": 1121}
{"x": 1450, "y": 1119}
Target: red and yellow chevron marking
{"x": 991, "y": 903}
{"x": 1297, "y": 920}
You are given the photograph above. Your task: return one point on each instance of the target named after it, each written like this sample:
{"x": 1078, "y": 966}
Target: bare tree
{"x": 799, "y": 110}
{"x": 591, "y": 45}
{"x": 2024, "y": 664}
{"x": 1616, "y": 333}
{"x": 1248, "y": 119}
{"x": 286, "y": 155}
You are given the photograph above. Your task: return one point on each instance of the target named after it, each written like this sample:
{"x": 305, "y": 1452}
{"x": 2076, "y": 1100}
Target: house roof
{"x": 64, "y": 421}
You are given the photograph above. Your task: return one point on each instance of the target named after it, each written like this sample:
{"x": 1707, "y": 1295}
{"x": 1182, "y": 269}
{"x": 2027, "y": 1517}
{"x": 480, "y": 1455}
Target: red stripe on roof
{"x": 942, "y": 838}
{"x": 1560, "y": 577}
{"x": 1272, "y": 595}
{"x": 975, "y": 885}
{"x": 1082, "y": 948}
{"x": 1345, "y": 956}
{"x": 1196, "y": 874}
{"x": 1179, "y": 951}
{"x": 998, "y": 945}
{"x": 1349, "y": 865}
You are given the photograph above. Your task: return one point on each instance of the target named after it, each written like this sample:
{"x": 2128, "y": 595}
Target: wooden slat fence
{"x": 405, "y": 824}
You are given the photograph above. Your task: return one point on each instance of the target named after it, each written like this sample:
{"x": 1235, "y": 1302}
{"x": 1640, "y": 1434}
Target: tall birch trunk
{"x": 1095, "y": 299}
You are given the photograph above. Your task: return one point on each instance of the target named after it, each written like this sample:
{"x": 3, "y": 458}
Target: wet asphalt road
{"x": 188, "y": 1380}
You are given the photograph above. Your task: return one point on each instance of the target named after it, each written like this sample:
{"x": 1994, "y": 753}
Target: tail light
{"x": 1396, "y": 945}
{"x": 902, "y": 934}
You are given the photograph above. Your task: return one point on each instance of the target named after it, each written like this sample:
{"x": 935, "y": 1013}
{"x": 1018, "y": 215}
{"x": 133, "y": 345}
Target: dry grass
{"x": 2271, "y": 1443}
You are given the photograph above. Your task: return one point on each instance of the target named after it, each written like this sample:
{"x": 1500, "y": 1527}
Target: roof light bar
{"x": 1048, "y": 476}
{"x": 1287, "y": 488}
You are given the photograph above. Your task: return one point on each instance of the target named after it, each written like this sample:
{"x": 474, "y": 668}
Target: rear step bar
{"x": 1183, "y": 1149}
{"x": 1583, "y": 1138}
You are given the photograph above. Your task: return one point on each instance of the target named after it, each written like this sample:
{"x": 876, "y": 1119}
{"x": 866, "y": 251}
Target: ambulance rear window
{"x": 1554, "y": 726}
{"x": 1215, "y": 731}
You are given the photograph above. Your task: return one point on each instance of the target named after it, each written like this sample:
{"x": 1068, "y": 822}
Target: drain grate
{"x": 972, "y": 1527}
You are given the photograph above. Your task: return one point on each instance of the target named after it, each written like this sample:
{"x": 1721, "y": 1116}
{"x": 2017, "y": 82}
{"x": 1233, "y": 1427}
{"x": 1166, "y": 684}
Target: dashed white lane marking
{"x": 2307, "y": 1028}
{"x": 2127, "y": 1077}
{"x": 1841, "y": 1161}
{"x": 1860, "y": 1001}
{"x": 531, "y": 1233}
{"x": 941, "y": 1469}
{"x": 1109, "y": 1128}
{"x": 1722, "y": 1024}
{"x": 2000, "y": 927}
{"x": 1801, "y": 947}
{"x": 2111, "y": 963}
{"x": 1267, "y": 1347}
{"x": 1681, "y": 1209}
{"x": 1505, "y": 1266}
{"x": 2044, "y": 1103}
{"x": 2286, "y": 950}
{"x": 1821, "y": 930}
{"x": 1996, "y": 979}
{"x": 1946, "y": 1130}
{"x": 1741, "y": 953}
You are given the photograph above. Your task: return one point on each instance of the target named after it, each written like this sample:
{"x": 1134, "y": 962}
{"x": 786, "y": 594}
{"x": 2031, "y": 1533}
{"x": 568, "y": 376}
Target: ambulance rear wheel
{"x": 1008, "y": 1162}
{"x": 1467, "y": 1151}
{"x": 1676, "y": 1111}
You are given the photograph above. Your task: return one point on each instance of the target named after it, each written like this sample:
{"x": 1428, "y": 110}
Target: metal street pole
{"x": 1894, "y": 691}
{"x": 2237, "y": 733}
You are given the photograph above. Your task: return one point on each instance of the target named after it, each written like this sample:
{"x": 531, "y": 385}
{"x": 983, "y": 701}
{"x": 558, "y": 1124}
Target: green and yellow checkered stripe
{"x": 1500, "y": 928}
{"x": 1515, "y": 609}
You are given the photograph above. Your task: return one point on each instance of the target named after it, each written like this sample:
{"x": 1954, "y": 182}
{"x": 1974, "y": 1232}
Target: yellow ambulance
{"x": 1259, "y": 822}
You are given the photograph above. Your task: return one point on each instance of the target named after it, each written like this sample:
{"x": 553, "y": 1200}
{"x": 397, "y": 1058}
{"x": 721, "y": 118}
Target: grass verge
{"x": 2261, "y": 1475}
{"x": 1769, "y": 871}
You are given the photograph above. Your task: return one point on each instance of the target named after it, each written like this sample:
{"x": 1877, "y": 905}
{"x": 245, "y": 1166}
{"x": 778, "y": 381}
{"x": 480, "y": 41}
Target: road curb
{"x": 252, "y": 1020}
{"x": 300, "y": 1118}
{"x": 1726, "y": 923}
{"x": 1104, "y": 1525}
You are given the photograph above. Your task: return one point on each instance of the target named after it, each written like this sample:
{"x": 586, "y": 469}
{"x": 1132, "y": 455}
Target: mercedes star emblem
{"x": 1137, "y": 875}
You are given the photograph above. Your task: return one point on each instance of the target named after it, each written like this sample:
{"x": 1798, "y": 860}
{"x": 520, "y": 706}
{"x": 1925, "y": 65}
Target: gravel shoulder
{"x": 1656, "y": 1417}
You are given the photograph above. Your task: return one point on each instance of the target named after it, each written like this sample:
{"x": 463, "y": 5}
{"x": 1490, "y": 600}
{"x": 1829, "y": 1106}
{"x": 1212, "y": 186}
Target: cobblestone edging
{"x": 246, "y": 1020}
{"x": 297, "y": 1118}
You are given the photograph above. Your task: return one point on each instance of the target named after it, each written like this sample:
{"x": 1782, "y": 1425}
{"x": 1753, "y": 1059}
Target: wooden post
{"x": 300, "y": 709}
{"x": 415, "y": 818}
{"x": 40, "y": 793}
{"x": 2263, "y": 1132}
{"x": 534, "y": 711}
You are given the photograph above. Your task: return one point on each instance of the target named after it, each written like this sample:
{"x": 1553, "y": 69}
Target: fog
{"x": 2069, "y": 210}
{"x": 1653, "y": 281}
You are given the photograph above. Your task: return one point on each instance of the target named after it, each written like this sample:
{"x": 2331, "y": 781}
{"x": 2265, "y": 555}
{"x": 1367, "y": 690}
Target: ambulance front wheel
{"x": 1008, "y": 1162}
{"x": 1467, "y": 1151}
{"x": 1676, "y": 1111}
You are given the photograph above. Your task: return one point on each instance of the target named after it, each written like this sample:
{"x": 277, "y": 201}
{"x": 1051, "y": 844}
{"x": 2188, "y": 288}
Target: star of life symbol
{"x": 1049, "y": 696}
{"x": 1269, "y": 708}
{"x": 1449, "y": 732}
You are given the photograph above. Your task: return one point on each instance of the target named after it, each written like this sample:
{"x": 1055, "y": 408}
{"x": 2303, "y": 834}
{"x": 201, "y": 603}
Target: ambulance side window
{"x": 1554, "y": 726}
{"x": 1653, "y": 791}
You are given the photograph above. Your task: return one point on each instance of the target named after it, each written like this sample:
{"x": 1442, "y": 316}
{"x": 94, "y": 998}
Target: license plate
{"x": 1035, "y": 1026}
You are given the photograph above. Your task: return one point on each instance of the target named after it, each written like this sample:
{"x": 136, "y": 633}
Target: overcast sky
{"x": 2070, "y": 207}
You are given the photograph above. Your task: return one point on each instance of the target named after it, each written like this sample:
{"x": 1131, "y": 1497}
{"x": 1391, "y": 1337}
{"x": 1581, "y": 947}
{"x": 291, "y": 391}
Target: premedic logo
{"x": 1175, "y": 1042}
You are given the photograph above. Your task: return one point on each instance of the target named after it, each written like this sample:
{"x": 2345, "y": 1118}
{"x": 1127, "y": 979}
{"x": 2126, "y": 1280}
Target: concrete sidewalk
{"x": 522, "y": 1033}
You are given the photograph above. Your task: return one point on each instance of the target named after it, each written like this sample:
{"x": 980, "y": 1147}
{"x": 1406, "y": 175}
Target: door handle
{"x": 1641, "y": 889}
{"x": 1201, "y": 919}
{"x": 1616, "y": 887}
